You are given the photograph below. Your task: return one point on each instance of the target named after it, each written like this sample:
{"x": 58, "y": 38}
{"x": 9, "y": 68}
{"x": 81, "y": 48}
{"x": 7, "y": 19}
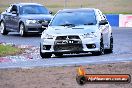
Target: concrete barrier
{"x": 120, "y": 20}
{"x": 125, "y": 20}
{"x": 113, "y": 19}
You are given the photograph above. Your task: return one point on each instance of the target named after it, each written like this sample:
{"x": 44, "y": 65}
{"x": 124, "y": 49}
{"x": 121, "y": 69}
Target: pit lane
{"x": 122, "y": 52}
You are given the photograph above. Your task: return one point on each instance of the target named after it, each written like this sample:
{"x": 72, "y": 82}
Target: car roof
{"x": 23, "y": 4}
{"x": 78, "y": 9}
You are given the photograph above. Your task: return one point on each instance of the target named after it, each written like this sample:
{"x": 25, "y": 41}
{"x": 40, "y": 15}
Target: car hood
{"x": 37, "y": 16}
{"x": 77, "y": 30}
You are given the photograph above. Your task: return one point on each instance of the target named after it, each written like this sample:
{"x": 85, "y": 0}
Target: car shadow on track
{"x": 81, "y": 55}
{"x": 29, "y": 35}
{"x": 74, "y": 55}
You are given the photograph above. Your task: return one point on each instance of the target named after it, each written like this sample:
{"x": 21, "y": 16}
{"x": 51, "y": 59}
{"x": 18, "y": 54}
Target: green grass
{"x": 9, "y": 50}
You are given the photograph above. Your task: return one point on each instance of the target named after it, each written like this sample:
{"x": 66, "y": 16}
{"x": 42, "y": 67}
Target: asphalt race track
{"x": 122, "y": 52}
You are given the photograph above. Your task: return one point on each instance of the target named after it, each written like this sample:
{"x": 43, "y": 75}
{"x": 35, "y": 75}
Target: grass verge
{"x": 9, "y": 50}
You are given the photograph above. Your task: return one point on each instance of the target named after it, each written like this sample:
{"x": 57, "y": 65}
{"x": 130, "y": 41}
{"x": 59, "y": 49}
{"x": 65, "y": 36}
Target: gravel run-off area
{"x": 60, "y": 77}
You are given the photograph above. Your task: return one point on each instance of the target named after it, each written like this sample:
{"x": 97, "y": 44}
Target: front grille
{"x": 70, "y": 42}
{"x": 71, "y": 47}
{"x": 32, "y": 29}
{"x": 43, "y": 21}
{"x": 36, "y": 29}
{"x": 66, "y": 37}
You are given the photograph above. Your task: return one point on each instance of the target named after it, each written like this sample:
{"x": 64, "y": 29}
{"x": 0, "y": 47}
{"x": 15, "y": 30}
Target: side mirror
{"x": 50, "y": 12}
{"x": 45, "y": 23}
{"x": 14, "y": 12}
{"x": 103, "y": 22}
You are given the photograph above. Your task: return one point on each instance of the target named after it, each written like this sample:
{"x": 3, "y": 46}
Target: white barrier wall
{"x": 125, "y": 20}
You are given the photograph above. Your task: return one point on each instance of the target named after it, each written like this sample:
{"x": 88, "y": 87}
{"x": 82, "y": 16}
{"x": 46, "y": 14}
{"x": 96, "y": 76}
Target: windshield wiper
{"x": 72, "y": 25}
{"x": 89, "y": 24}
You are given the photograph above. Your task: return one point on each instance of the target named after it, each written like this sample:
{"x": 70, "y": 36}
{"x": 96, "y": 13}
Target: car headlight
{"x": 31, "y": 22}
{"x": 89, "y": 35}
{"x": 46, "y": 36}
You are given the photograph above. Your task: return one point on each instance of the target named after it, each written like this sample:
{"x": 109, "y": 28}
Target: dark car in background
{"x": 24, "y": 18}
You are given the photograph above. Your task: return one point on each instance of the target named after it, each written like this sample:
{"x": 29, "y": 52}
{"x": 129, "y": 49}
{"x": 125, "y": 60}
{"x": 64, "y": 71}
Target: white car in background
{"x": 77, "y": 31}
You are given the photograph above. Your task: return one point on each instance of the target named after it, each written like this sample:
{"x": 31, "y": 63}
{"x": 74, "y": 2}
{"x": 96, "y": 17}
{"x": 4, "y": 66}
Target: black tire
{"x": 58, "y": 54}
{"x": 111, "y": 46}
{"x": 101, "y": 52}
{"x": 22, "y": 30}
{"x": 3, "y": 30}
{"x": 44, "y": 55}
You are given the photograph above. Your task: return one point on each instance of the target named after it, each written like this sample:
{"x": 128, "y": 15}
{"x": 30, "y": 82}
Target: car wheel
{"x": 3, "y": 29}
{"x": 111, "y": 46}
{"x": 22, "y": 30}
{"x": 58, "y": 54}
{"x": 44, "y": 55}
{"x": 101, "y": 52}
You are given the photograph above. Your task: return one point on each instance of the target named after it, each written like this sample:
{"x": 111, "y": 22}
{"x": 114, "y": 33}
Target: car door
{"x": 14, "y": 18}
{"x": 7, "y": 17}
{"x": 105, "y": 29}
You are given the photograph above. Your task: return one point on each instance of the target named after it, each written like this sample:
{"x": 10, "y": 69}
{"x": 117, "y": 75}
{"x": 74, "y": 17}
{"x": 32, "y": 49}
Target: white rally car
{"x": 77, "y": 31}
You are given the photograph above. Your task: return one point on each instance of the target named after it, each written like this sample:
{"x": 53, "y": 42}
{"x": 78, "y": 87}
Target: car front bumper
{"x": 35, "y": 28}
{"x": 86, "y": 45}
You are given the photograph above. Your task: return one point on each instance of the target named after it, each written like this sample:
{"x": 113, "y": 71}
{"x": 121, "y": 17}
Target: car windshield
{"x": 33, "y": 9}
{"x": 74, "y": 18}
